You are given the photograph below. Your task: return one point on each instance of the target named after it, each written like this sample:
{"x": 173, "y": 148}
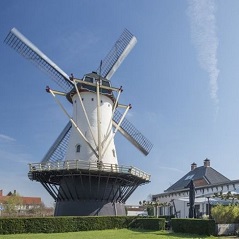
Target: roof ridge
{"x": 208, "y": 174}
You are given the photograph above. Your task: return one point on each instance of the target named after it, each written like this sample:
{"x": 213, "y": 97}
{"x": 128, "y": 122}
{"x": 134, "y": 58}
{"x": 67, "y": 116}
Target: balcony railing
{"x": 86, "y": 165}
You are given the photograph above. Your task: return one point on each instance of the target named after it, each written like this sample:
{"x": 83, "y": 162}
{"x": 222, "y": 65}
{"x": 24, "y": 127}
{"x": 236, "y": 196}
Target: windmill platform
{"x": 85, "y": 188}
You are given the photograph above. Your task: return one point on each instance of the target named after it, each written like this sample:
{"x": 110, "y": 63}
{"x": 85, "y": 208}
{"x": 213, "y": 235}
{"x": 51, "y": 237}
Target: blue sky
{"x": 181, "y": 78}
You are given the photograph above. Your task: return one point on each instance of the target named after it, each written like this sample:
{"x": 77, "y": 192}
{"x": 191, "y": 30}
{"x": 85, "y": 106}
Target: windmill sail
{"x": 108, "y": 66}
{"x": 27, "y": 49}
{"x": 117, "y": 54}
{"x": 57, "y": 151}
{"x": 132, "y": 134}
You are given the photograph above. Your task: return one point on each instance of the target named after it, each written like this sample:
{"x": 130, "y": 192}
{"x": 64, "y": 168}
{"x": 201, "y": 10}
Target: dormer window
{"x": 189, "y": 177}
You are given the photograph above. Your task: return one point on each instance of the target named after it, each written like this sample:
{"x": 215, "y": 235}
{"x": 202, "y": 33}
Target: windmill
{"x": 80, "y": 170}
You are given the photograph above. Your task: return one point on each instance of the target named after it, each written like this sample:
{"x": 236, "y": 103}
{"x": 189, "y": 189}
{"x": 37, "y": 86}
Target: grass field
{"x": 107, "y": 234}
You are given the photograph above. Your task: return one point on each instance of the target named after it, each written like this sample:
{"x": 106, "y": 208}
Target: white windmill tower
{"x": 80, "y": 170}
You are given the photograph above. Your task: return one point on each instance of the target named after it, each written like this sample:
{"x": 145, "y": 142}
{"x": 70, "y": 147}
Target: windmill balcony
{"x": 91, "y": 166}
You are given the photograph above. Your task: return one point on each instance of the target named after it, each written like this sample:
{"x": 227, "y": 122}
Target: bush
{"x": 167, "y": 218}
{"x": 225, "y": 214}
{"x": 194, "y": 226}
{"x": 148, "y": 223}
{"x": 61, "y": 224}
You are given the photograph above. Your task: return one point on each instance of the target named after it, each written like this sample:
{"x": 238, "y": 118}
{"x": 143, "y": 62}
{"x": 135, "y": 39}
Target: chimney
{"x": 206, "y": 163}
{"x": 193, "y": 166}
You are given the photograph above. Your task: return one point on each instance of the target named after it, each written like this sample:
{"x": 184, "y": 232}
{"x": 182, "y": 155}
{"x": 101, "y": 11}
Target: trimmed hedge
{"x": 62, "y": 224}
{"x": 148, "y": 223}
{"x": 194, "y": 226}
{"x": 167, "y": 218}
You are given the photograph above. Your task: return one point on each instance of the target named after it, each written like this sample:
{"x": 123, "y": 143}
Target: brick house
{"x": 26, "y": 202}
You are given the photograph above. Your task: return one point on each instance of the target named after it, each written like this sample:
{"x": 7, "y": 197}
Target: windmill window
{"x": 82, "y": 99}
{"x": 78, "y": 146}
{"x": 88, "y": 79}
{"x": 92, "y": 99}
{"x": 75, "y": 101}
{"x": 113, "y": 151}
{"x": 105, "y": 83}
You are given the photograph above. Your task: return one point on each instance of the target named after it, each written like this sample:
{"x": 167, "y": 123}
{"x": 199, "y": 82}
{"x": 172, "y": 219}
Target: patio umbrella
{"x": 191, "y": 199}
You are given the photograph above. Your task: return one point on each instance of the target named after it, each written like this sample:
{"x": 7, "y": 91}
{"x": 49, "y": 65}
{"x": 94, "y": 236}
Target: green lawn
{"x": 106, "y": 234}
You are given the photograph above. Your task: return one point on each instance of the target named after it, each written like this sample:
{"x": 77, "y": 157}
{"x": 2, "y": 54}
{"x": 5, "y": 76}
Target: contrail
{"x": 204, "y": 37}
{"x": 6, "y": 138}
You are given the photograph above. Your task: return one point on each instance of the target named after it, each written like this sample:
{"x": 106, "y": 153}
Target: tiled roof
{"x": 25, "y": 200}
{"x": 201, "y": 176}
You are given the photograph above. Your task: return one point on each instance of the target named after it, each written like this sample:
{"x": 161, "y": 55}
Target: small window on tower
{"x": 88, "y": 79}
{"x": 113, "y": 151}
{"x": 106, "y": 83}
{"x": 78, "y": 146}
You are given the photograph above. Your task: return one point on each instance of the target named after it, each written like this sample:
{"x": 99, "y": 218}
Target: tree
{"x": 13, "y": 204}
{"x": 151, "y": 206}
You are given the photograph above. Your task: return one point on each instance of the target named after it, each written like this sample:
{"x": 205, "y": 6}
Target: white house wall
{"x": 181, "y": 198}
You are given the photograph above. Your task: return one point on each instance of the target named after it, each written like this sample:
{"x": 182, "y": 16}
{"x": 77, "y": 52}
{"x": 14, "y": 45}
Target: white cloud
{"x": 5, "y": 138}
{"x": 204, "y": 37}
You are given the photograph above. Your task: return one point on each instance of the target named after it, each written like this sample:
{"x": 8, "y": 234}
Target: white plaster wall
{"x": 90, "y": 103}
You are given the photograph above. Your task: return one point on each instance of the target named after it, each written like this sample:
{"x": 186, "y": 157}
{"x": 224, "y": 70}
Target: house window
{"x": 160, "y": 211}
{"x": 78, "y": 146}
{"x": 197, "y": 210}
{"x": 171, "y": 211}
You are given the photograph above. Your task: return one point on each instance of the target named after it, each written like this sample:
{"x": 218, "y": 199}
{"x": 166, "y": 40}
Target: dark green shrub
{"x": 167, "y": 218}
{"x": 148, "y": 223}
{"x": 62, "y": 224}
{"x": 12, "y": 226}
{"x": 194, "y": 226}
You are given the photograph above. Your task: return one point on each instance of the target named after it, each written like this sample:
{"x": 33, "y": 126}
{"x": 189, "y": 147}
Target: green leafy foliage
{"x": 12, "y": 204}
{"x": 225, "y": 214}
